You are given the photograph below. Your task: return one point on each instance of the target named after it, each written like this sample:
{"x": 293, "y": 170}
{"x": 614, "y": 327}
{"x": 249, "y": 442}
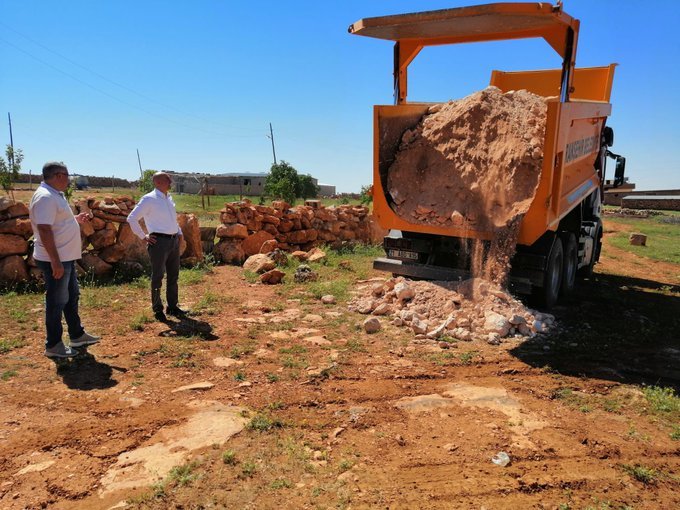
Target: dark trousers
{"x": 164, "y": 257}
{"x": 61, "y": 297}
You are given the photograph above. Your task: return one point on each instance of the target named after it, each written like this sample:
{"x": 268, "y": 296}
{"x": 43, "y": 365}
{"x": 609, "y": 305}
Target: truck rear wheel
{"x": 547, "y": 295}
{"x": 570, "y": 263}
{"x": 587, "y": 271}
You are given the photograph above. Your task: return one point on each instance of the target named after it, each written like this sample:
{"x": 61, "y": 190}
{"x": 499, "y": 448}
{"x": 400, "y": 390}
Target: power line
{"x": 113, "y": 82}
{"x": 82, "y": 82}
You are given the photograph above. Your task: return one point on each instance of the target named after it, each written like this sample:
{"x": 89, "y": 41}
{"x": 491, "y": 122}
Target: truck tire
{"x": 546, "y": 296}
{"x": 587, "y": 271}
{"x": 570, "y": 264}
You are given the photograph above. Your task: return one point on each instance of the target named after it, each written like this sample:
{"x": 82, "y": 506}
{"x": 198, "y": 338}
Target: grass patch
{"x": 280, "y": 483}
{"x": 191, "y": 276}
{"x": 183, "y": 475}
{"x": 208, "y": 304}
{"x": 263, "y": 423}
{"x": 229, "y": 457}
{"x": 662, "y": 400}
{"x": 8, "y": 374}
{"x": 345, "y": 465}
{"x": 9, "y": 345}
{"x": 663, "y": 237}
{"x": 248, "y": 470}
{"x": 242, "y": 349}
{"x": 138, "y": 321}
{"x": 675, "y": 433}
{"x": 251, "y": 277}
{"x": 641, "y": 473}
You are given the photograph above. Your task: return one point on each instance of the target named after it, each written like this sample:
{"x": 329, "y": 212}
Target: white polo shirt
{"x": 49, "y": 207}
{"x": 158, "y": 211}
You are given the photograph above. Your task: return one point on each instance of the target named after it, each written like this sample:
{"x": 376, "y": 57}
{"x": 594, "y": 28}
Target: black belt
{"x": 171, "y": 236}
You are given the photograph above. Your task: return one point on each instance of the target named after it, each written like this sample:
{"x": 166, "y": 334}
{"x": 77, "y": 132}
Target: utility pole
{"x": 271, "y": 136}
{"x": 11, "y": 143}
{"x": 141, "y": 172}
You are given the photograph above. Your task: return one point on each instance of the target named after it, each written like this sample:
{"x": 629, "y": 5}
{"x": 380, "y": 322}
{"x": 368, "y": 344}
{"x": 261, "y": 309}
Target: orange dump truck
{"x": 560, "y": 233}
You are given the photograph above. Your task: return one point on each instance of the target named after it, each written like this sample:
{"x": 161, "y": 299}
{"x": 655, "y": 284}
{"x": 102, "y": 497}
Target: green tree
{"x": 282, "y": 182}
{"x": 10, "y": 168}
{"x": 146, "y": 182}
{"x": 366, "y": 194}
{"x": 307, "y": 188}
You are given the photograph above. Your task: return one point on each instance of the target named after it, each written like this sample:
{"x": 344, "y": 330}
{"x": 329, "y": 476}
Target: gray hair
{"x": 52, "y": 167}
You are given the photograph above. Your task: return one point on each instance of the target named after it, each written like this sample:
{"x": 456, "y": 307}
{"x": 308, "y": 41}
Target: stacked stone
{"x": 15, "y": 231}
{"x": 107, "y": 240}
{"x": 249, "y": 229}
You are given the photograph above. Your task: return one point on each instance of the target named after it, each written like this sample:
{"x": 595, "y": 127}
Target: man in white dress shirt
{"x": 57, "y": 247}
{"x": 162, "y": 238}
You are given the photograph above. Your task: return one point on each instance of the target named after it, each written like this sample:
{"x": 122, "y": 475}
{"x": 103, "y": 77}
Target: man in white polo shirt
{"x": 162, "y": 239}
{"x": 57, "y": 247}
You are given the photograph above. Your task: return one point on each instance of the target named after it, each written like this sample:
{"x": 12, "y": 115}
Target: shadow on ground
{"x": 614, "y": 328}
{"x": 85, "y": 373}
{"x": 188, "y": 327}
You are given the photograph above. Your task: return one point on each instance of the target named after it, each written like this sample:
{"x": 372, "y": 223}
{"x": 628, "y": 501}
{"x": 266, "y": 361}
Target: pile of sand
{"x": 475, "y": 160}
{"x": 474, "y": 309}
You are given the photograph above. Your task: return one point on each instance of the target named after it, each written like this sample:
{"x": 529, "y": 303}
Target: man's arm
{"x": 133, "y": 219}
{"x": 47, "y": 239}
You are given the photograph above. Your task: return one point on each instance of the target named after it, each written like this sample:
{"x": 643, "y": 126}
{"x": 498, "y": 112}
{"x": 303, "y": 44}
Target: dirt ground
{"x": 299, "y": 408}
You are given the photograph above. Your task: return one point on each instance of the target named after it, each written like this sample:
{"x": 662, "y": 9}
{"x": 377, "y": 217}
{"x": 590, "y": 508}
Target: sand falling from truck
{"x": 473, "y": 164}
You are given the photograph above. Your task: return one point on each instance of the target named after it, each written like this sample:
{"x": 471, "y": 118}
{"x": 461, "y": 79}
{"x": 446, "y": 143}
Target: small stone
{"x": 371, "y": 325}
{"x": 196, "y": 386}
{"x": 493, "y": 339}
{"x": 419, "y": 326}
{"x": 328, "y": 299}
{"x": 382, "y": 309}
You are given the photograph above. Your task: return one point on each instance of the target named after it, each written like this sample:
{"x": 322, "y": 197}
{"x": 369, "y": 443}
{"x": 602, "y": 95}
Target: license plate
{"x": 403, "y": 254}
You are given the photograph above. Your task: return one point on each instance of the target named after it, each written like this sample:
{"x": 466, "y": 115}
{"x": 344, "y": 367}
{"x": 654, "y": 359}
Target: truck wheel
{"x": 570, "y": 263}
{"x": 587, "y": 271}
{"x": 547, "y": 295}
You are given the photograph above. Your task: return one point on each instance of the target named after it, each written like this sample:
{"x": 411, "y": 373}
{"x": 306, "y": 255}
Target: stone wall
{"x": 248, "y": 229}
{"x": 663, "y": 203}
{"x": 107, "y": 240}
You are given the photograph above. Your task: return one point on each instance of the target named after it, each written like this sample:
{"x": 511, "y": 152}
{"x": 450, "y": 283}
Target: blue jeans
{"x": 61, "y": 297}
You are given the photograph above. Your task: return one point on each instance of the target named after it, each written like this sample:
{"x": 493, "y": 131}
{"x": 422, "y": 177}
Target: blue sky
{"x": 194, "y": 85}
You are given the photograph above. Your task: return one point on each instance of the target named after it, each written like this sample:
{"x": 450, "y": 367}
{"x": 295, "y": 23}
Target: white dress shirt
{"x": 158, "y": 211}
{"x": 49, "y": 207}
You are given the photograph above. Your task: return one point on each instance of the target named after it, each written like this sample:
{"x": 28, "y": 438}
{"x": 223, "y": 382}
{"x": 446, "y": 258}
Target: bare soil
{"x": 305, "y": 410}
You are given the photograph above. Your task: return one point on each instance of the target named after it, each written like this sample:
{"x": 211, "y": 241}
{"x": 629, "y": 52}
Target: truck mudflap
{"x": 518, "y": 284}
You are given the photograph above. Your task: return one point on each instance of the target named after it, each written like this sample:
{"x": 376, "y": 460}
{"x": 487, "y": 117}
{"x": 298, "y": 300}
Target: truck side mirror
{"x": 620, "y": 170}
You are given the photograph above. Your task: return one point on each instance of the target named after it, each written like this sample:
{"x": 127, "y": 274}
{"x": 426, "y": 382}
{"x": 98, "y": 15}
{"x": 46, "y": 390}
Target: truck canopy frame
{"x": 490, "y": 22}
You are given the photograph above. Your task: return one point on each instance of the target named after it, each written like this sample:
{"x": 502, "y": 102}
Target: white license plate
{"x": 403, "y": 254}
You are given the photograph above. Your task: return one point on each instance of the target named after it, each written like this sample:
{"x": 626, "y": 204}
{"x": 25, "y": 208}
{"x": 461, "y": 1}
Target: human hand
{"x": 84, "y": 217}
{"x": 150, "y": 239}
{"x": 57, "y": 270}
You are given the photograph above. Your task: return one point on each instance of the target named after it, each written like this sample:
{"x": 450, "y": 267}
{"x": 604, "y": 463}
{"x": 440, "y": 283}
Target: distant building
{"x": 326, "y": 190}
{"x": 245, "y": 184}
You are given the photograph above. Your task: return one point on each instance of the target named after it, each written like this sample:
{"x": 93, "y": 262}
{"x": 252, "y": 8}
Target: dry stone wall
{"x": 248, "y": 229}
{"x": 107, "y": 240}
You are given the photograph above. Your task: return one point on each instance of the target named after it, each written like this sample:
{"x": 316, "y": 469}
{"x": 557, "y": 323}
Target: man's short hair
{"x": 158, "y": 175}
{"x": 52, "y": 167}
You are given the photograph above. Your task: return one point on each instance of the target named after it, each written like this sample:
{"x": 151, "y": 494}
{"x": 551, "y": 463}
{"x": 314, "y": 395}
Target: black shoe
{"x": 176, "y": 312}
{"x": 160, "y": 316}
